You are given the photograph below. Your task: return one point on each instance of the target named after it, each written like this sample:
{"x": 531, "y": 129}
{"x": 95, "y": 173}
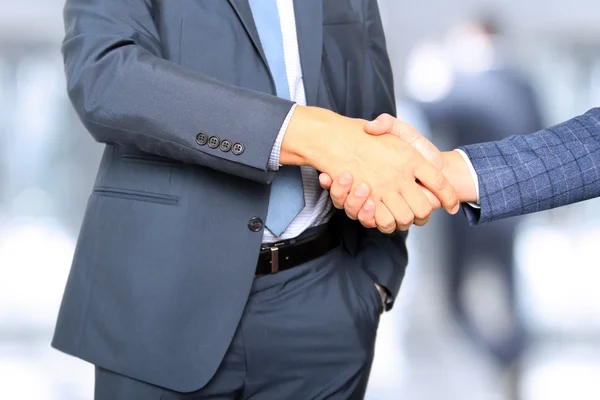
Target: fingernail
{"x": 345, "y": 178}
{"x": 362, "y": 190}
{"x": 368, "y": 205}
{"x": 455, "y": 209}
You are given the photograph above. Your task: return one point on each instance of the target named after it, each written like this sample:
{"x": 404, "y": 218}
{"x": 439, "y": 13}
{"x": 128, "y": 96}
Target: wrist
{"x": 296, "y": 146}
{"x": 310, "y": 138}
{"x": 458, "y": 173}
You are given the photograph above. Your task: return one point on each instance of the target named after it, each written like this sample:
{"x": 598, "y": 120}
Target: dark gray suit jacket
{"x": 166, "y": 253}
{"x": 548, "y": 169}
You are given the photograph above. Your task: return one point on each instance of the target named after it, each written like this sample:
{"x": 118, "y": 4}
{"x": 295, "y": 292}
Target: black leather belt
{"x": 287, "y": 254}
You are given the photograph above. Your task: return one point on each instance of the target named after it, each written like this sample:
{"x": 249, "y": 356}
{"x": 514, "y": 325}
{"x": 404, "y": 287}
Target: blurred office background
{"x": 516, "y": 318}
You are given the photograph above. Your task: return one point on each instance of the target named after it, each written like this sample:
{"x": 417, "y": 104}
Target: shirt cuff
{"x": 274, "y": 157}
{"x": 473, "y": 176}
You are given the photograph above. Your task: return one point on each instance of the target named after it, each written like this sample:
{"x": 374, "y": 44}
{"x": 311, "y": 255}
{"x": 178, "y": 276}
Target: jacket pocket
{"x": 150, "y": 159}
{"x": 128, "y": 194}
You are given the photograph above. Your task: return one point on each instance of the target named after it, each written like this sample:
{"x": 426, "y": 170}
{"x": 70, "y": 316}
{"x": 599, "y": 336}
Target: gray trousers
{"x": 307, "y": 333}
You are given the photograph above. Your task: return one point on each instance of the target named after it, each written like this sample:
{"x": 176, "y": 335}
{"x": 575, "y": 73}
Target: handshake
{"x": 382, "y": 172}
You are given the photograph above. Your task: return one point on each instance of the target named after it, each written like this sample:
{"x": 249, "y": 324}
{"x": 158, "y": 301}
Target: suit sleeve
{"x": 384, "y": 257}
{"x": 547, "y": 169}
{"x": 126, "y": 93}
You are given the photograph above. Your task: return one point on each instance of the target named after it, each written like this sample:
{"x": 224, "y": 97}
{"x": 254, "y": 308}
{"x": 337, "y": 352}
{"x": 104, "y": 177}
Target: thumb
{"x": 380, "y": 125}
{"x": 435, "y": 203}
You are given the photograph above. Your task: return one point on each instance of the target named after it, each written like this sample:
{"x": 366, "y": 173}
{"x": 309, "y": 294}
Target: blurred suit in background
{"x": 489, "y": 100}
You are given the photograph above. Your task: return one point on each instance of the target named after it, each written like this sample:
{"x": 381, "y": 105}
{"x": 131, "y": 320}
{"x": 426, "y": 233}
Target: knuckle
{"x": 424, "y": 212}
{"x": 368, "y": 223}
{"x": 338, "y": 200}
{"x": 352, "y": 215}
{"x": 406, "y": 220}
{"x": 335, "y": 191}
{"x": 366, "y": 219}
{"x": 337, "y": 203}
{"x": 403, "y": 227}
{"x": 386, "y": 223}
{"x": 420, "y": 221}
{"x": 389, "y": 225}
{"x": 384, "y": 229}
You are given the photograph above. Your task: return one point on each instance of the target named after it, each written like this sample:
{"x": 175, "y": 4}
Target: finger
{"x": 356, "y": 200}
{"x": 340, "y": 189}
{"x": 384, "y": 218}
{"x": 435, "y": 203}
{"x": 386, "y": 124}
{"x": 325, "y": 181}
{"x": 438, "y": 185}
{"x": 416, "y": 199}
{"x": 366, "y": 215}
{"x": 401, "y": 212}
{"x": 380, "y": 125}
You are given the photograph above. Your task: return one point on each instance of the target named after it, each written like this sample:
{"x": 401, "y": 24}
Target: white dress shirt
{"x": 473, "y": 176}
{"x": 318, "y": 207}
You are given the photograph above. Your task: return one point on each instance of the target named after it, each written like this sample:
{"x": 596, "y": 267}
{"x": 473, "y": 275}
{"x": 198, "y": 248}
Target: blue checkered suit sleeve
{"x": 547, "y": 169}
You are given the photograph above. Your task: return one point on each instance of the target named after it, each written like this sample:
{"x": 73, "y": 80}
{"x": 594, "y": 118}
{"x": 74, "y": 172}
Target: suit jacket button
{"x": 255, "y": 224}
{"x": 201, "y": 138}
{"x": 225, "y": 145}
{"x": 237, "y": 149}
{"x": 214, "y": 142}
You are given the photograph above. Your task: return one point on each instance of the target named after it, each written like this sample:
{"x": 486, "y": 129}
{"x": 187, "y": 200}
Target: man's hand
{"x": 389, "y": 166}
{"x": 356, "y": 202}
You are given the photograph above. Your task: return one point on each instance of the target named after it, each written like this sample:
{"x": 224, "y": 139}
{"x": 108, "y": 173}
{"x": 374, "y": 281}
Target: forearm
{"x": 126, "y": 93}
{"x": 547, "y": 169}
{"x": 319, "y": 138}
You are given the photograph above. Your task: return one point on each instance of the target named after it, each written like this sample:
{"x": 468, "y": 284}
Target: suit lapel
{"x": 244, "y": 13}
{"x": 309, "y": 26}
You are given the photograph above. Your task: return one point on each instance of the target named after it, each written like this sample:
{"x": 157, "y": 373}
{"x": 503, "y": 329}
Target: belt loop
{"x": 274, "y": 259}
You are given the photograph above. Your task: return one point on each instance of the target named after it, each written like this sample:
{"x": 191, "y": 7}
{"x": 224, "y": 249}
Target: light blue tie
{"x": 287, "y": 195}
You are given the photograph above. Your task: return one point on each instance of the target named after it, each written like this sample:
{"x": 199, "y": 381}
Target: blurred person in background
{"x": 490, "y": 99}
{"x": 210, "y": 262}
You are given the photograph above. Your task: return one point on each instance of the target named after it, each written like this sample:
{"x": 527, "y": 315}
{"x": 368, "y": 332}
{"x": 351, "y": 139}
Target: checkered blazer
{"x": 547, "y": 169}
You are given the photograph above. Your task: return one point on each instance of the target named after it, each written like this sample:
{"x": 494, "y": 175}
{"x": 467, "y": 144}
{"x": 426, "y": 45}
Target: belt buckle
{"x": 274, "y": 249}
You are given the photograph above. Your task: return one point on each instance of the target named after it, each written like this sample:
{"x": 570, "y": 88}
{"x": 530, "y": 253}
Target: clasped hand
{"x": 394, "y": 180}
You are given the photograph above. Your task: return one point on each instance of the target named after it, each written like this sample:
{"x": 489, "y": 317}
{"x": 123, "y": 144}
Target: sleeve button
{"x": 237, "y": 149}
{"x": 225, "y": 145}
{"x": 201, "y": 139}
{"x": 214, "y": 142}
